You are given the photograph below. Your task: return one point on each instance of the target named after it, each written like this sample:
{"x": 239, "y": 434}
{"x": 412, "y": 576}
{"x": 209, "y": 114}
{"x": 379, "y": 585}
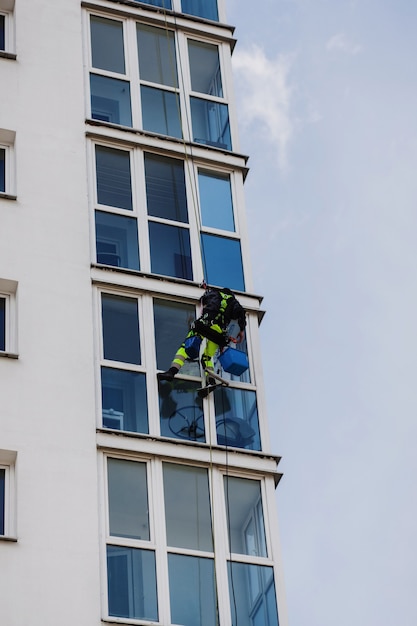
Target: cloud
{"x": 341, "y": 43}
{"x": 265, "y": 96}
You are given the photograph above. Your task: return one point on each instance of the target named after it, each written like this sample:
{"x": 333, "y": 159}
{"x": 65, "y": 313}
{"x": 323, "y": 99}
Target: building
{"x": 121, "y": 187}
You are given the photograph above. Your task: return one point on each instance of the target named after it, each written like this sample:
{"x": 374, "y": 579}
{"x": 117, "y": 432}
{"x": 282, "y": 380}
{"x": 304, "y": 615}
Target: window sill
{"x": 7, "y": 196}
{"x": 9, "y": 355}
{"x": 7, "y": 538}
{"x": 7, "y": 55}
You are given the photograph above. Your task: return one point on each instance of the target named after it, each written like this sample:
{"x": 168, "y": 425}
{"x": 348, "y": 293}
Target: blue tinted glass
{"x": 3, "y": 324}
{"x": 131, "y": 583}
{"x": 2, "y": 169}
{"x": 156, "y": 49}
{"x": 237, "y": 423}
{"x": 210, "y": 122}
{"x": 205, "y": 68}
{"x": 110, "y": 100}
{"x": 218, "y": 272}
{"x": 170, "y": 250}
{"x": 113, "y": 177}
{"x": 165, "y": 4}
{"x": 120, "y": 329}
{"x": 124, "y": 403}
{"x": 172, "y": 322}
{"x": 2, "y": 42}
{"x": 201, "y": 8}
{"x": 160, "y": 112}
{"x": 216, "y": 201}
{"x": 191, "y": 590}
{"x": 107, "y": 44}
{"x": 181, "y": 410}
{"x": 117, "y": 240}
{"x": 252, "y": 595}
{"x": 2, "y": 499}
{"x": 165, "y": 188}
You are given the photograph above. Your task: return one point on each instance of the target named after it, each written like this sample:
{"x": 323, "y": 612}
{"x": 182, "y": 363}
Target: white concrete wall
{"x": 51, "y": 574}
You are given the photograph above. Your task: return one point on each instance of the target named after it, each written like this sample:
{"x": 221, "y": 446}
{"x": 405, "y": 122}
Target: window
{"x": 201, "y": 8}
{"x": 8, "y": 333}
{"x": 253, "y": 598}
{"x": 153, "y": 71}
{"x": 7, "y": 494}
{"x": 245, "y": 516}
{"x": 214, "y": 250}
{"x": 216, "y": 202}
{"x": 237, "y": 423}
{"x": 7, "y": 138}
{"x": 123, "y": 386}
{"x": 7, "y": 28}
{"x": 165, "y": 4}
{"x": 2, "y": 31}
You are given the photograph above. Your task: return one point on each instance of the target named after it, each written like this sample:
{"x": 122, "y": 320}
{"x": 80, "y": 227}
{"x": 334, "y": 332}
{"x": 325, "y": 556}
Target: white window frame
{"x": 8, "y": 290}
{"x": 7, "y": 10}
{"x": 7, "y": 140}
{"x": 8, "y": 462}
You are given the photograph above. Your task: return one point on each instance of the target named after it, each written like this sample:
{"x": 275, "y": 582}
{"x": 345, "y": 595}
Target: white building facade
{"x": 121, "y": 188}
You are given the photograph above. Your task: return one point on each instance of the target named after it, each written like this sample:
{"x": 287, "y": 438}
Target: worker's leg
{"x": 208, "y": 354}
{"x": 179, "y": 359}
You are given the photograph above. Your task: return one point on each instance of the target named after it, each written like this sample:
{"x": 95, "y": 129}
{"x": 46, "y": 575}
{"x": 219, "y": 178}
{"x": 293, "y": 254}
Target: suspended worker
{"x": 220, "y": 307}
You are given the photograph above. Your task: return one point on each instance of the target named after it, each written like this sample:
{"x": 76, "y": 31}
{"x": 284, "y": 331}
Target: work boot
{"x": 168, "y": 375}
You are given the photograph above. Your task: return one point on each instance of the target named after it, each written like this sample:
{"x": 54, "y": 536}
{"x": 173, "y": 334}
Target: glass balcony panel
{"x": 120, "y": 322}
{"x": 205, "y": 68}
{"x": 165, "y": 188}
{"x": 157, "y": 59}
{"x": 110, "y": 100}
{"x": 237, "y": 423}
{"x": 114, "y": 187}
{"x": 192, "y": 591}
{"x": 187, "y": 507}
{"x": 201, "y": 8}
{"x": 170, "y": 250}
{"x": 107, "y": 48}
{"x": 160, "y": 112}
{"x": 245, "y": 516}
{"x": 117, "y": 240}
{"x": 215, "y": 250}
{"x": 172, "y": 323}
{"x": 131, "y": 583}
{"x": 252, "y": 595}
{"x": 124, "y": 402}
{"x": 128, "y": 499}
{"x": 210, "y": 121}
{"x": 181, "y": 411}
{"x": 216, "y": 200}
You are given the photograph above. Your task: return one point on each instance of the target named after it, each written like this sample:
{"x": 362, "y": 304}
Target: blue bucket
{"x": 234, "y": 361}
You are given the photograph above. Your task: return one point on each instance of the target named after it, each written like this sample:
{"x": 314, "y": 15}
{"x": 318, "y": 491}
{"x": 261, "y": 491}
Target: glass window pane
{"x": 210, "y": 123}
{"x": 128, "y": 499}
{"x": 245, "y": 516}
{"x": 192, "y": 591}
{"x": 160, "y": 112}
{"x": 216, "y": 200}
{"x": 3, "y": 324}
{"x": 201, "y": 8}
{"x": 110, "y": 100}
{"x": 117, "y": 240}
{"x": 131, "y": 583}
{"x": 237, "y": 421}
{"x": 2, "y": 169}
{"x": 120, "y": 318}
{"x": 157, "y": 61}
{"x": 2, "y": 32}
{"x": 252, "y": 595}
{"x": 166, "y": 4}
{"x": 107, "y": 44}
{"x": 215, "y": 250}
{"x": 124, "y": 403}
{"x": 172, "y": 323}
{"x": 187, "y": 507}
{"x": 165, "y": 188}
{"x": 181, "y": 410}
{"x": 2, "y": 499}
{"x": 170, "y": 250}
{"x": 205, "y": 68}
{"x": 113, "y": 178}
{"x": 232, "y": 331}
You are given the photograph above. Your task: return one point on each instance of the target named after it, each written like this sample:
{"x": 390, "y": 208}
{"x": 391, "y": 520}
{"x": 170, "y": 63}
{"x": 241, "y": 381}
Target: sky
{"x": 326, "y": 93}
